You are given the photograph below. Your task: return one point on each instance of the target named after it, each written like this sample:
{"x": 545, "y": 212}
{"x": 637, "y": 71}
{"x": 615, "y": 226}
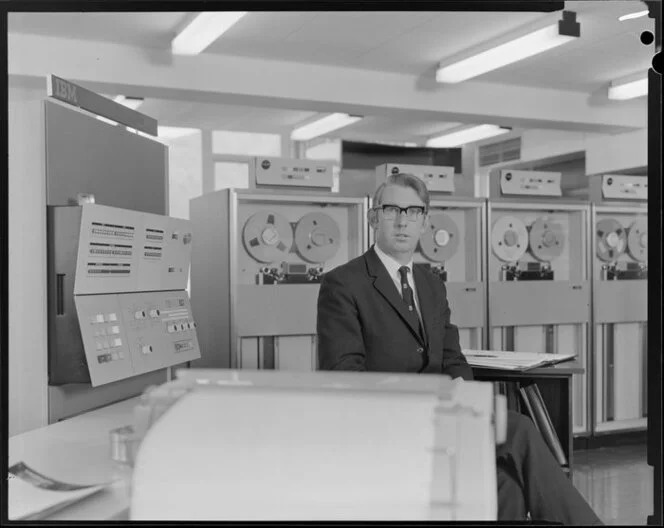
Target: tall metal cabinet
{"x": 620, "y": 301}
{"x": 257, "y": 263}
{"x": 538, "y": 273}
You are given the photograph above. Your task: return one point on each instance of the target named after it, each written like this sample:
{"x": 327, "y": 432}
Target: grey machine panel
{"x": 467, "y": 302}
{"x": 117, "y": 307}
{"x": 120, "y": 168}
{"x": 260, "y": 310}
{"x": 513, "y": 304}
{"x": 125, "y": 335}
{"x": 256, "y": 268}
{"x": 621, "y": 302}
{"x": 127, "y": 251}
{"x": 268, "y": 172}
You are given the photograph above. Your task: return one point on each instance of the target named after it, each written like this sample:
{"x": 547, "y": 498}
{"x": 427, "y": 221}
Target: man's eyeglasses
{"x": 390, "y": 212}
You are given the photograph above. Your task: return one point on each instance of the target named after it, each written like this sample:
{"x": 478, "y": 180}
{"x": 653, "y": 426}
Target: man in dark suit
{"x": 378, "y": 313}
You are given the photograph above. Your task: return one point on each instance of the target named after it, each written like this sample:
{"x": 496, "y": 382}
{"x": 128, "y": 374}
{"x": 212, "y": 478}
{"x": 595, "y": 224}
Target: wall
{"x": 329, "y": 150}
{"x": 185, "y": 173}
{"x": 617, "y": 153}
{"x": 28, "y": 404}
{"x": 575, "y": 154}
{"x": 542, "y": 144}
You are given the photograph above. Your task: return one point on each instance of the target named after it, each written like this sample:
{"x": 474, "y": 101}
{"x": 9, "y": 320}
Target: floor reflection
{"x": 617, "y": 482}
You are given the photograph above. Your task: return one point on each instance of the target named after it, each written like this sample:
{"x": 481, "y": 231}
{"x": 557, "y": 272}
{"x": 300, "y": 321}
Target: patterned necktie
{"x": 406, "y": 290}
{"x": 407, "y": 294}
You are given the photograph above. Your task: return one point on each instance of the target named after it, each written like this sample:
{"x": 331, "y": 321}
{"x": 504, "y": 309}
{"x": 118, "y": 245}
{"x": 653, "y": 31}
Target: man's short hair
{"x": 404, "y": 180}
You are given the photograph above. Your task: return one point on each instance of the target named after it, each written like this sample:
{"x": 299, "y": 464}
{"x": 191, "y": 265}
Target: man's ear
{"x": 425, "y": 223}
{"x": 372, "y": 217}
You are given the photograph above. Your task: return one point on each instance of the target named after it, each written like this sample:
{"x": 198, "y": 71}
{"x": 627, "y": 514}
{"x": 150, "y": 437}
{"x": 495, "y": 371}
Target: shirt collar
{"x": 391, "y": 264}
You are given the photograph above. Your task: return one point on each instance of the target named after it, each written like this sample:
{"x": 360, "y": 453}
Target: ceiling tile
{"x": 135, "y": 29}
{"x": 259, "y": 26}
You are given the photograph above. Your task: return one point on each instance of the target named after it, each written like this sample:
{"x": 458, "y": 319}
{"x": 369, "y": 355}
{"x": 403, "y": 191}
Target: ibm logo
{"x": 65, "y": 91}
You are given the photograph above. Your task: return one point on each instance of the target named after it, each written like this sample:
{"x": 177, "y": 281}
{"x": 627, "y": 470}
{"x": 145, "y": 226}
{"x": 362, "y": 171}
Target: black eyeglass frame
{"x": 420, "y": 210}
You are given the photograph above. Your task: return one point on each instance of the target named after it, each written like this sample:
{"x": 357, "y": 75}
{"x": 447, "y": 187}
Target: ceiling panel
{"x": 458, "y": 31}
{"x": 222, "y": 117}
{"x": 135, "y": 29}
{"x": 581, "y": 68}
{"x": 359, "y": 30}
{"x": 401, "y": 127}
{"x": 263, "y": 27}
{"x": 400, "y": 41}
{"x": 276, "y": 50}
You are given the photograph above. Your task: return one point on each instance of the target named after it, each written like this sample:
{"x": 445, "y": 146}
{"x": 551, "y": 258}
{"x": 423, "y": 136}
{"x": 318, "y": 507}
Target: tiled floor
{"x": 617, "y": 482}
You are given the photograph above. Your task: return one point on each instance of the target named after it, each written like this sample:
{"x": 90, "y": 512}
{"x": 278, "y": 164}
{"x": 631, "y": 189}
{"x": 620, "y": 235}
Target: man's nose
{"x": 401, "y": 218}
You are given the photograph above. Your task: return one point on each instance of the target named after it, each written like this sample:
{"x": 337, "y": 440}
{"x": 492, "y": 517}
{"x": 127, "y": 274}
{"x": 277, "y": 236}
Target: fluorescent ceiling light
{"x": 165, "y": 132}
{"x": 621, "y": 90}
{"x": 129, "y": 102}
{"x": 105, "y": 120}
{"x": 496, "y": 56}
{"x": 394, "y": 143}
{"x": 141, "y": 133}
{"x": 203, "y": 30}
{"x": 323, "y": 126}
{"x": 637, "y": 14}
{"x": 467, "y": 135}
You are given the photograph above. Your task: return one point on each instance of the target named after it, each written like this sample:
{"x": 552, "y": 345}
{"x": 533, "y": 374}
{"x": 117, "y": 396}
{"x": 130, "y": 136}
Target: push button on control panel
{"x": 140, "y": 314}
{"x": 154, "y": 313}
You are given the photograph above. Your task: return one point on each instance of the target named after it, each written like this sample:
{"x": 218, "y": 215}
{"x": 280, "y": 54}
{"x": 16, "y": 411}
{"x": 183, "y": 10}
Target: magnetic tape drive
{"x": 544, "y": 240}
{"x": 270, "y": 239}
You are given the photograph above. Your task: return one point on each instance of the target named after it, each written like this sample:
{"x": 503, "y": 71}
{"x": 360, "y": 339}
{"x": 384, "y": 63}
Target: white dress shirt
{"x": 392, "y": 267}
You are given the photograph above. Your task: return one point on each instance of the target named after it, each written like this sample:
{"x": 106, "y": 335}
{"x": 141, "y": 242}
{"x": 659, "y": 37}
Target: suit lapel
{"x": 385, "y": 286}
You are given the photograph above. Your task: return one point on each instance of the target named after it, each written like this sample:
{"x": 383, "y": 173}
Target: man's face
{"x": 398, "y": 236}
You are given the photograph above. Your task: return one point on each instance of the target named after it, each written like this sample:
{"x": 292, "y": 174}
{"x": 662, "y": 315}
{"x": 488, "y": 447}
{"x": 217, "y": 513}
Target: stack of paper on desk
{"x": 34, "y": 496}
{"x": 287, "y": 446}
{"x": 502, "y": 360}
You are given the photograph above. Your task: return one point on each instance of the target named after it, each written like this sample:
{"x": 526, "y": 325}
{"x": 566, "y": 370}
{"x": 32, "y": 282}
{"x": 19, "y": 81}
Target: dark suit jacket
{"x": 362, "y": 323}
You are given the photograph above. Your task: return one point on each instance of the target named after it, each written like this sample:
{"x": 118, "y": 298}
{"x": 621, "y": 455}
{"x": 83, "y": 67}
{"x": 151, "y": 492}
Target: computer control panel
{"x": 129, "y": 334}
{"x": 121, "y": 250}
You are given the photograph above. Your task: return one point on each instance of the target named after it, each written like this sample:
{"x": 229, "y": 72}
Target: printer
{"x": 240, "y": 445}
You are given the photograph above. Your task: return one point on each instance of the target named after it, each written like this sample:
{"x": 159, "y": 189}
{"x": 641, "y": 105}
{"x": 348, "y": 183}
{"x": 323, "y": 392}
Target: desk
{"x": 77, "y": 451}
{"x": 555, "y": 384}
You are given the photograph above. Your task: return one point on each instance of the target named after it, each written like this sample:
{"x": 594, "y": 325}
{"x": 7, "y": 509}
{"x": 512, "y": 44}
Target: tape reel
{"x": 267, "y": 236}
{"x": 509, "y": 238}
{"x": 317, "y": 237}
{"x": 441, "y": 241}
{"x": 611, "y": 239}
{"x": 547, "y": 239}
{"x": 637, "y": 240}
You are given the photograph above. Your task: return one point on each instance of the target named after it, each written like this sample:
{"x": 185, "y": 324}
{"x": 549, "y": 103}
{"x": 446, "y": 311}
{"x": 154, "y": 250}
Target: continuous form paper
{"x": 34, "y": 496}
